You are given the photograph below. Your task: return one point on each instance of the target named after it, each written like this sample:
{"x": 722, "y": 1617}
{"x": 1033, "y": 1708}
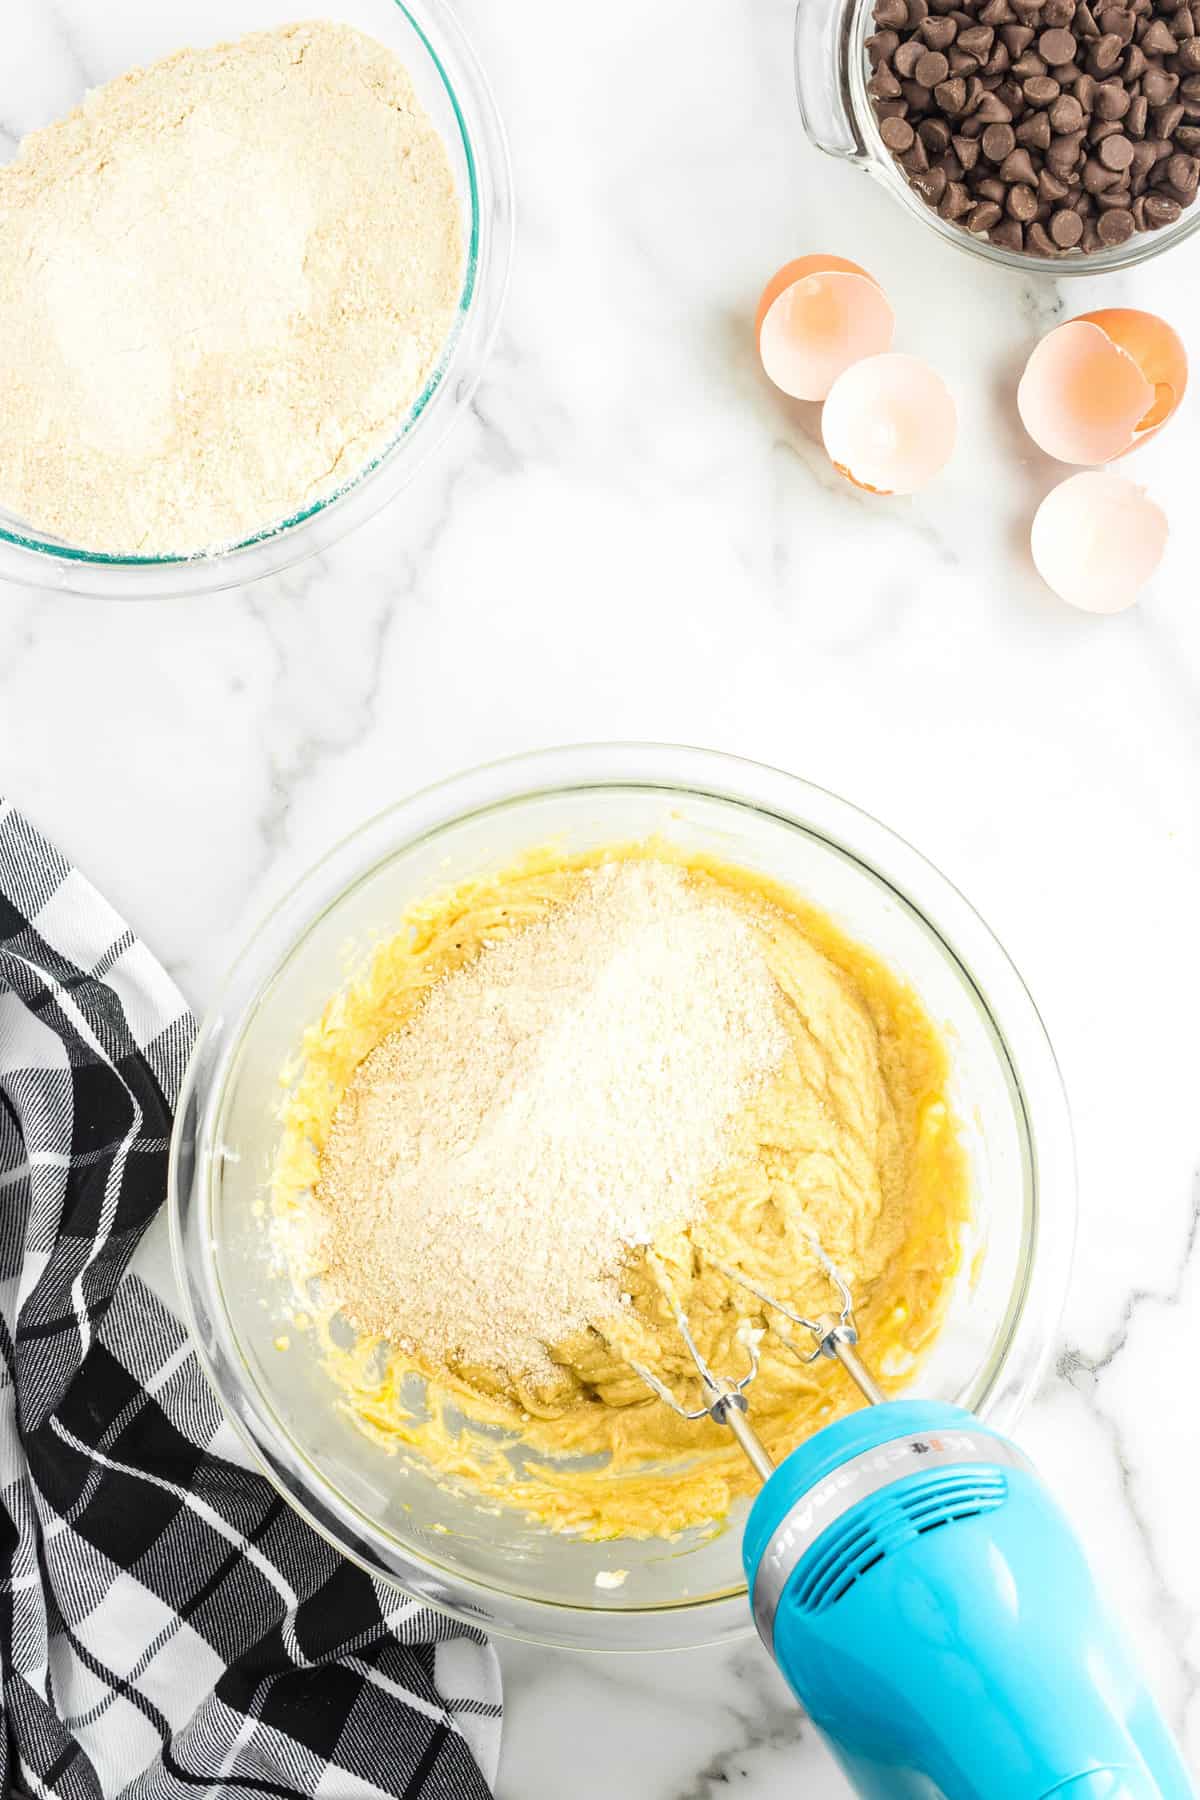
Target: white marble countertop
{"x": 632, "y": 536}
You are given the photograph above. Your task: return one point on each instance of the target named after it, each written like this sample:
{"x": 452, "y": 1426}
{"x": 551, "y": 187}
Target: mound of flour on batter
{"x": 564, "y": 1096}
{"x": 224, "y": 280}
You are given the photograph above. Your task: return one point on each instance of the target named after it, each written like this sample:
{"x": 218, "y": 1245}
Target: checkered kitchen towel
{"x": 167, "y": 1626}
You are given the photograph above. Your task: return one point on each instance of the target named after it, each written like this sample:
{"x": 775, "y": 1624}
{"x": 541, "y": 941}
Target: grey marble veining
{"x": 631, "y": 535}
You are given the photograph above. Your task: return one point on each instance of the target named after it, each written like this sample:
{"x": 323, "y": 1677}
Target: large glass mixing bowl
{"x": 46, "y": 72}
{"x": 389, "y": 1512}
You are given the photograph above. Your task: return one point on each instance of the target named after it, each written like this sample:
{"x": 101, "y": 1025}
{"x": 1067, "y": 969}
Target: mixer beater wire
{"x": 834, "y": 1335}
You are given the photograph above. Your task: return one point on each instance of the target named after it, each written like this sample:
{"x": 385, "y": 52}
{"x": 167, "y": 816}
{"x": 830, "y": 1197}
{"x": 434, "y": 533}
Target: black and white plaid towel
{"x": 168, "y": 1627}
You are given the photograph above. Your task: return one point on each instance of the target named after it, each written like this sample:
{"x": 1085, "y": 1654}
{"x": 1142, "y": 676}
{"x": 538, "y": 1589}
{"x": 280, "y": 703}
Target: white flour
{"x": 563, "y": 1097}
{"x": 223, "y": 282}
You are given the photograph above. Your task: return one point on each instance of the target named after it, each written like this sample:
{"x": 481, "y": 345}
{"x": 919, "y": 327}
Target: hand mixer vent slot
{"x": 883, "y": 1524}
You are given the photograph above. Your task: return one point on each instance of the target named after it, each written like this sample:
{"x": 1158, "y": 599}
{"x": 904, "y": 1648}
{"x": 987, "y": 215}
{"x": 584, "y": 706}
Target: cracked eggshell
{"x": 1097, "y": 539}
{"x": 1099, "y": 386}
{"x": 817, "y": 316}
{"x": 889, "y": 424}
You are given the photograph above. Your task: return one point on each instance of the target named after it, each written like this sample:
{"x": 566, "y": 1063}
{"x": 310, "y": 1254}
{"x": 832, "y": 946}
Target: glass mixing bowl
{"x": 46, "y": 73}
{"x": 831, "y": 83}
{"x": 492, "y": 1567}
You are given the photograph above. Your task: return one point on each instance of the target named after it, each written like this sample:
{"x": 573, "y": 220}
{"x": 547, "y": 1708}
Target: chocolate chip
{"x": 1027, "y": 65}
{"x": 955, "y": 201}
{"x": 1022, "y": 203}
{"x": 1110, "y": 100}
{"x": 1017, "y": 38}
{"x": 1038, "y": 240}
{"x": 1096, "y": 177}
{"x": 967, "y": 151}
{"x": 1134, "y": 64}
{"x": 1189, "y": 55}
{"x": 951, "y": 96}
{"x": 1166, "y": 120}
{"x": 1136, "y": 117}
{"x": 1057, "y": 47}
{"x": 983, "y": 216}
{"x": 977, "y": 40}
{"x": 931, "y": 68}
{"x": 1144, "y": 159}
{"x": 1115, "y": 21}
{"x": 934, "y": 134}
{"x": 907, "y": 57}
{"x": 1040, "y": 90}
{"x": 1183, "y": 173}
{"x": 997, "y": 141}
{"x": 1116, "y": 153}
{"x": 892, "y": 13}
{"x": 1105, "y": 54}
{"x": 882, "y": 47}
{"x": 1160, "y": 211}
{"x": 897, "y": 134}
{"x": 988, "y": 109}
{"x": 1085, "y": 21}
{"x": 1066, "y": 114}
{"x": 1158, "y": 39}
{"x": 1035, "y": 131}
{"x": 1018, "y": 166}
{"x": 1008, "y": 234}
{"x": 1159, "y": 86}
{"x": 931, "y": 185}
{"x": 1066, "y": 228}
{"x": 883, "y": 85}
{"x": 1115, "y": 227}
{"x": 1064, "y": 152}
{"x": 938, "y": 34}
{"x": 1050, "y": 188}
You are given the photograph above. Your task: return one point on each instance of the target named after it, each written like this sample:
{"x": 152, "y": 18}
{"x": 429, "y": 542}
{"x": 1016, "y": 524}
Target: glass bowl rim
{"x": 1034, "y": 1307}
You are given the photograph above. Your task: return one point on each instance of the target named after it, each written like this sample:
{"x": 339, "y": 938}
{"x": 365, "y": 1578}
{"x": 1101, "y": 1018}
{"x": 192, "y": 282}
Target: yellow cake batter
{"x": 851, "y": 1141}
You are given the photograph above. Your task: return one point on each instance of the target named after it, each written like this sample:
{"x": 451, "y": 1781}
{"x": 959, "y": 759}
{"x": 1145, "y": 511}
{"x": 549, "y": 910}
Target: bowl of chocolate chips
{"x": 1054, "y": 134}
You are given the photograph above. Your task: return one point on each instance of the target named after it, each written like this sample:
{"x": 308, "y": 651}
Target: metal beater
{"x": 834, "y": 1336}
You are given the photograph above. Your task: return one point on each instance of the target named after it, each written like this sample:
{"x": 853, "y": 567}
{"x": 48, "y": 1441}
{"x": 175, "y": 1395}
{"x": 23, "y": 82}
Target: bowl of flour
{"x": 247, "y": 281}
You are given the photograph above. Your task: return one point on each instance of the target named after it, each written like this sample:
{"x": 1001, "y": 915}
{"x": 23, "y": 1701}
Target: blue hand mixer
{"x": 927, "y": 1601}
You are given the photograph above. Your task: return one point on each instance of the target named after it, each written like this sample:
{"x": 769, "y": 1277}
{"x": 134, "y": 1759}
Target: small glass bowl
{"x": 831, "y": 84}
{"x": 391, "y": 1514}
{"x": 451, "y": 86}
